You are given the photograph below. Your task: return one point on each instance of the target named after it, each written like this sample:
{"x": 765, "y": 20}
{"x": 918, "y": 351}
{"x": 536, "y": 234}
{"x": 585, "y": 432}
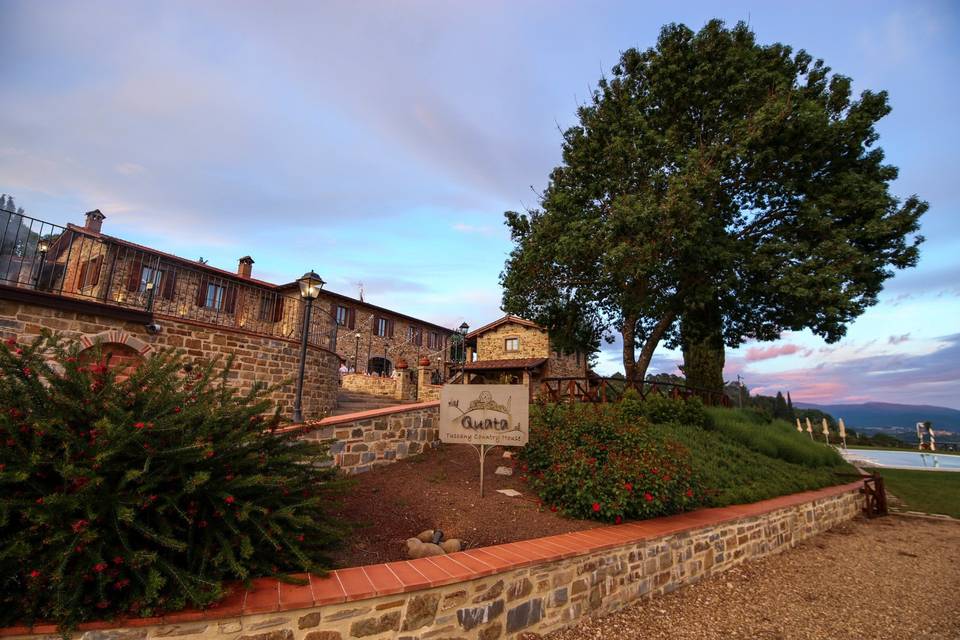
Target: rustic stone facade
{"x": 256, "y": 357}
{"x": 360, "y": 442}
{"x": 505, "y": 591}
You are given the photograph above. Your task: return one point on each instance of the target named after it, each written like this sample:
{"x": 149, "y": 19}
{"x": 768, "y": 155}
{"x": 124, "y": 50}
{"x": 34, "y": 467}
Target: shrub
{"x": 142, "y": 495}
{"x": 592, "y": 461}
{"x": 659, "y": 409}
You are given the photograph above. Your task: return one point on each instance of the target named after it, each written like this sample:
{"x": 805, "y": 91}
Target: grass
{"x": 926, "y": 491}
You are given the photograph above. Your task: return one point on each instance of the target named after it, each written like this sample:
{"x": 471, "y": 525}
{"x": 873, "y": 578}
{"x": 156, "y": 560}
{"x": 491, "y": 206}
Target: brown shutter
{"x": 230, "y": 298}
{"x": 278, "y": 309}
{"x": 82, "y": 275}
{"x": 202, "y": 292}
{"x": 390, "y": 328}
{"x": 168, "y": 283}
{"x": 95, "y": 267}
{"x": 133, "y": 278}
{"x": 352, "y": 318}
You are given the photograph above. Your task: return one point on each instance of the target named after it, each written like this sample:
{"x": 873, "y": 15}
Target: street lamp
{"x": 310, "y": 285}
{"x": 440, "y": 370}
{"x": 356, "y": 354}
{"x": 42, "y": 248}
{"x": 383, "y": 365}
{"x": 464, "y": 328}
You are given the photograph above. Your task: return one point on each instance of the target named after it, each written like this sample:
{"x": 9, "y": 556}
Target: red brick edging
{"x": 358, "y": 583}
{"x": 359, "y": 415}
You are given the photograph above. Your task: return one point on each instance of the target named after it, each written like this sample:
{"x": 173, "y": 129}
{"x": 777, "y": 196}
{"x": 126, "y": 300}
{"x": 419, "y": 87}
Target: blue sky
{"x": 380, "y": 142}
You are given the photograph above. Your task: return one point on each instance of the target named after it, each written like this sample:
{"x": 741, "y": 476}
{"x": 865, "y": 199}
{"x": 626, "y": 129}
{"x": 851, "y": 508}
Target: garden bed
{"x": 441, "y": 489}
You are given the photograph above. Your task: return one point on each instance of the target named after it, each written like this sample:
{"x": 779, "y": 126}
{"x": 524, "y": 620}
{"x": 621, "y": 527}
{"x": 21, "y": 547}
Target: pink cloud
{"x": 755, "y": 354}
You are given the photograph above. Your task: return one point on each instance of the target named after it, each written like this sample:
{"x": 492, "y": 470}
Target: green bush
{"x": 143, "y": 495}
{"x": 593, "y": 461}
{"x": 659, "y": 409}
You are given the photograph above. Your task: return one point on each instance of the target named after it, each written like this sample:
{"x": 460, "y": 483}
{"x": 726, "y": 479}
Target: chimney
{"x": 94, "y": 220}
{"x": 245, "y": 268}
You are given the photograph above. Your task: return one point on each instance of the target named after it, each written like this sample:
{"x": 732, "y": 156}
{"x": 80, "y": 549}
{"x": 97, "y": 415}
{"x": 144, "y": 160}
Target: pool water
{"x": 932, "y": 461}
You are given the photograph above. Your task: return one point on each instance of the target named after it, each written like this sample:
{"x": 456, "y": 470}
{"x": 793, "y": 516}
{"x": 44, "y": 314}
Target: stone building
{"x": 132, "y": 298}
{"x": 514, "y": 350}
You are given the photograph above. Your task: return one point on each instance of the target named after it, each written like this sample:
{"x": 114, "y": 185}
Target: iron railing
{"x": 580, "y": 389}
{"x": 72, "y": 263}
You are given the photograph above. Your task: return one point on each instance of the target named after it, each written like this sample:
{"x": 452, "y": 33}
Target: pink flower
{"x": 34, "y": 574}
{"x": 99, "y": 567}
{"x": 596, "y": 507}
{"x": 648, "y": 496}
{"x": 139, "y": 425}
{"x": 229, "y": 500}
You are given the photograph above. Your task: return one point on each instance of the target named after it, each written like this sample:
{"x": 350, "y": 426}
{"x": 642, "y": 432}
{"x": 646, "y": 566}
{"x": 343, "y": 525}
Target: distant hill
{"x": 886, "y": 415}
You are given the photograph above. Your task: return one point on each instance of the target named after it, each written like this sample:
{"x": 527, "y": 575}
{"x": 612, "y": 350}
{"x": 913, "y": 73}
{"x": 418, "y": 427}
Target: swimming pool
{"x": 903, "y": 459}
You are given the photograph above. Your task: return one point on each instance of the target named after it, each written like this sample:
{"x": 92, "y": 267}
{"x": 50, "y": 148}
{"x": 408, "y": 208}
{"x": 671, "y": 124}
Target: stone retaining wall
{"x": 373, "y": 385}
{"x": 503, "y": 591}
{"x": 373, "y": 438}
{"x": 257, "y": 357}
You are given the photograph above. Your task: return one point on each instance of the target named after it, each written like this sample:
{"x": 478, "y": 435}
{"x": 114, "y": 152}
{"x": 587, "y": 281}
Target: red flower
{"x": 208, "y": 454}
{"x": 99, "y": 567}
{"x": 617, "y": 520}
{"x": 648, "y": 496}
{"x": 689, "y": 493}
{"x": 79, "y": 525}
{"x": 34, "y": 574}
{"x": 596, "y": 507}
{"x": 117, "y": 560}
{"x": 11, "y": 342}
{"x": 103, "y": 604}
{"x": 300, "y": 537}
{"x": 39, "y": 500}
{"x": 628, "y": 486}
{"x": 176, "y": 409}
{"x": 26, "y": 371}
{"x": 139, "y": 425}
{"x": 78, "y": 548}
{"x": 553, "y": 508}
{"x": 229, "y": 500}
{"x": 202, "y": 524}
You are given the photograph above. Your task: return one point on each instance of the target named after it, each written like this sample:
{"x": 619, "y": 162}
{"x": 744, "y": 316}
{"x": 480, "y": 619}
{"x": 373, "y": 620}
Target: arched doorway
{"x": 123, "y": 359}
{"x": 379, "y": 366}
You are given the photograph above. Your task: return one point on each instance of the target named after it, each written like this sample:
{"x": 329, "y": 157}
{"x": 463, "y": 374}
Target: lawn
{"x": 927, "y": 491}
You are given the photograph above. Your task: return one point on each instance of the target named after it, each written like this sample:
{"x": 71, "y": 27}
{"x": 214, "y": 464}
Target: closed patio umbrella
{"x": 799, "y": 428}
{"x": 843, "y": 433}
{"x": 809, "y": 428}
{"x": 826, "y": 431}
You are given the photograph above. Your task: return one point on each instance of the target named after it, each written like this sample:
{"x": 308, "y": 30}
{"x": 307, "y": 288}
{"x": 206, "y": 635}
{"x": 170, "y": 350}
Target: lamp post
{"x": 310, "y": 285}
{"x": 464, "y": 328}
{"x": 356, "y": 354}
{"x": 149, "y": 288}
{"x": 440, "y": 368}
{"x": 42, "y": 249}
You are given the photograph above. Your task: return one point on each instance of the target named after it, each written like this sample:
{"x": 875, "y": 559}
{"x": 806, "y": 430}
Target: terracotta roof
{"x": 514, "y": 363}
{"x": 504, "y": 320}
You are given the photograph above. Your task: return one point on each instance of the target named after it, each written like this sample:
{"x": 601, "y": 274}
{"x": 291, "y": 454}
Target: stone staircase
{"x": 352, "y": 402}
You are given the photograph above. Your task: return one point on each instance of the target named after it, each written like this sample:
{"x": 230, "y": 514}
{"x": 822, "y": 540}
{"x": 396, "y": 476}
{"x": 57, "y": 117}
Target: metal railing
{"x": 580, "y": 389}
{"x": 68, "y": 262}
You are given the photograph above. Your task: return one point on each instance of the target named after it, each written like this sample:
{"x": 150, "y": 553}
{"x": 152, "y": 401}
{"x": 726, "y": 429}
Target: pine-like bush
{"x": 134, "y": 496}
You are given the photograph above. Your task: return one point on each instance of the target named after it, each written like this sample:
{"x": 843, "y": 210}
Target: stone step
{"x": 354, "y": 402}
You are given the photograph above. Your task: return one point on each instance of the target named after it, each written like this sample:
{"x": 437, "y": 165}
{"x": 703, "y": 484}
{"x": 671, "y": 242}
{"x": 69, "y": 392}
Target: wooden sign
{"x": 485, "y": 414}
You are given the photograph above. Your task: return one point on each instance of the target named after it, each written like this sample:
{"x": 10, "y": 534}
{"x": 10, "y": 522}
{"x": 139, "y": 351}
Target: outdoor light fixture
{"x": 42, "y": 248}
{"x": 149, "y": 288}
{"x": 310, "y": 284}
{"x": 463, "y": 329}
{"x": 356, "y": 355}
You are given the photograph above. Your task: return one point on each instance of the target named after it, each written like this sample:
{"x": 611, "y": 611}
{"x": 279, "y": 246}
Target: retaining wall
{"x": 376, "y": 437}
{"x": 502, "y": 591}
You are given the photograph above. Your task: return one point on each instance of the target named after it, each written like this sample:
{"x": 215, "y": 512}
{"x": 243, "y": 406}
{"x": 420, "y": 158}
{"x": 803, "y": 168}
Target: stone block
{"x": 524, "y": 615}
{"x": 476, "y": 616}
{"x": 373, "y": 626}
{"x": 309, "y": 620}
{"x": 421, "y": 611}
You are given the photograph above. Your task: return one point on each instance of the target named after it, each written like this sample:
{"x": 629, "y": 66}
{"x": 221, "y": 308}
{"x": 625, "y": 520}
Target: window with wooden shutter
{"x": 134, "y": 275}
{"x": 202, "y": 292}
{"x": 390, "y": 328}
{"x": 278, "y": 309}
{"x": 168, "y": 284}
{"x": 230, "y": 299}
{"x": 89, "y": 273}
{"x": 352, "y": 319}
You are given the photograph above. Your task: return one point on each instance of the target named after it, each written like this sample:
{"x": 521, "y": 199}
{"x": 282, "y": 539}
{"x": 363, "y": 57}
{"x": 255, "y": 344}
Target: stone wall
{"x": 373, "y": 385}
{"x": 257, "y": 357}
{"x": 377, "y": 437}
{"x": 533, "y": 343}
{"x": 533, "y": 586}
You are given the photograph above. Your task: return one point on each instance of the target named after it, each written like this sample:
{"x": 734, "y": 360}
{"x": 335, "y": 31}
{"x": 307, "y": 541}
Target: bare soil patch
{"x": 891, "y": 578}
{"x": 440, "y": 489}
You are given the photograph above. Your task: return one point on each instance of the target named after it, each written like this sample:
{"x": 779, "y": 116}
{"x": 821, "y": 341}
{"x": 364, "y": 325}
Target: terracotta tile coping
{"x": 358, "y": 583}
{"x": 359, "y": 415}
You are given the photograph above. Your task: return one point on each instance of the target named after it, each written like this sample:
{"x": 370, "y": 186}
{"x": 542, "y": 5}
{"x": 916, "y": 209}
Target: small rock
{"x": 412, "y": 543}
{"x": 425, "y": 550}
{"x": 504, "y": 471}
{"x": 425, "y": 536}
{"x": 451, "y": 546}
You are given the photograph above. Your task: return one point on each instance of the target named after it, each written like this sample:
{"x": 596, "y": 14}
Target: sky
{"x": 381, "y": 142}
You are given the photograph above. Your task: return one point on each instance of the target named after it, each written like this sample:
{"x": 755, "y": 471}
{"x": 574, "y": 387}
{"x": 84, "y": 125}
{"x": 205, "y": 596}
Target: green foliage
{"x": 662, "y": 410}
{"x": 927, "y": 491}
{"x": 582, "y": 455}
{"x": 142, "y": 495}
{"x": 592, "y": 461}
{"x": 776, "y": 439}
{"x": 733, "y": 185}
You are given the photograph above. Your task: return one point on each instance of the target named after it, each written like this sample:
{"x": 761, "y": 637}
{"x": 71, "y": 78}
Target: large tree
{"x": 713, "y": 190}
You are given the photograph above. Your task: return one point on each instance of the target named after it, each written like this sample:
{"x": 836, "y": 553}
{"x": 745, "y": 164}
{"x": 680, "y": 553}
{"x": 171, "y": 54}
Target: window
{"x": 149, "y": 274}
{"x": 434, "y": 340}
{"x": 89, "y": 273}
{"x": 214, "y": 296}
{"x": 271, "y": 309}
{"x": 415, "y": 335}
{"x": 383, "y": 327}
{"x": 511, "y": 344}
{"x": 343, "y": 315}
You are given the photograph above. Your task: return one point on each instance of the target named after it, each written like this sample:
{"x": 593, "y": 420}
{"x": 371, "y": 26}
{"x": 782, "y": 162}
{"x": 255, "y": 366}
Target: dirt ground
{"x": 890, "y": 578}
{"x": 441, "y": 489}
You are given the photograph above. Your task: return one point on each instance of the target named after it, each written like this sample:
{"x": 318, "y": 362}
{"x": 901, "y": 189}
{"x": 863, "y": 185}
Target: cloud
{"x": 898, "y": 339}
{"x": 756, "y": 354}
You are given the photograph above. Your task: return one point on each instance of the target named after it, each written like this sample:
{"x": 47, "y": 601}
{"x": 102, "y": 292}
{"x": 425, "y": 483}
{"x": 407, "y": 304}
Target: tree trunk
{"x": 636, "y": 370}
{"x": 703, "y": 349}
{"x": 629, "y": 334}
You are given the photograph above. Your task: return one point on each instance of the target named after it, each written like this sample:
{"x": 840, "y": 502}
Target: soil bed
{"x": 441, "y": 489}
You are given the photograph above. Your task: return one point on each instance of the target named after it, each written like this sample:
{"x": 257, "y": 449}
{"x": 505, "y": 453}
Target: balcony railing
{"x": 68, "y": 262}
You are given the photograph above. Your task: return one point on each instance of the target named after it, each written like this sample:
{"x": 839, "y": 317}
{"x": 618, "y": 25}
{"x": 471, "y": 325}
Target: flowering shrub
{"x": 595, "y": 461}
{"x": 142, "y": 494}
{"x": 659, "y": 409}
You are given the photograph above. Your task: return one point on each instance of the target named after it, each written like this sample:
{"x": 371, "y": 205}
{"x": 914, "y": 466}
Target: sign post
{"x": 484, "y": 416}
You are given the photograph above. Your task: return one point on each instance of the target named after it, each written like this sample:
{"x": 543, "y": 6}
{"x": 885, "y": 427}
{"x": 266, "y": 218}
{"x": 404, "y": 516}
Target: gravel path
{"x": 894, "y": 577}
